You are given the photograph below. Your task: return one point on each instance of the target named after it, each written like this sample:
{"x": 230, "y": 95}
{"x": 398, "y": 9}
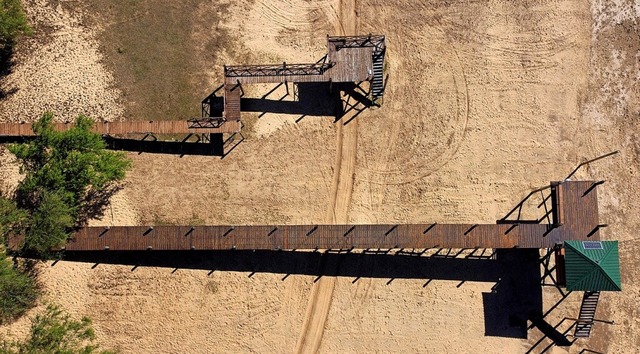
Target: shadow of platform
{"x": 305, "y": 99}
{"x": 213, "y": 148}
{"x": 311, "y": 99}
{"x": 515, "y": 297}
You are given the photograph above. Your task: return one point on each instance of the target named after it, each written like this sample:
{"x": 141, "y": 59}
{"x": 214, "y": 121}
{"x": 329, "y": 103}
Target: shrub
{"x": 18, "y": 290}
{"x": 12, "y": 21}
{"x": 55, "y": 332}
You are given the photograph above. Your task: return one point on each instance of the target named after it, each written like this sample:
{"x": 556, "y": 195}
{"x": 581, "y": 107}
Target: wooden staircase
{"x": 377, "y": 83}
{"x": 587, "y": 314}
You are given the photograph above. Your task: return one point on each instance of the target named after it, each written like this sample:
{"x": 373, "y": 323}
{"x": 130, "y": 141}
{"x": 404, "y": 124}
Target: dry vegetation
{"x": 485, "y": 100}
{"x": 161, "y": 68}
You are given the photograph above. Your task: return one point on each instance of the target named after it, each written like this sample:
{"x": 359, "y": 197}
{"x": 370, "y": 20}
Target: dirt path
{"x": 337, "y": 212}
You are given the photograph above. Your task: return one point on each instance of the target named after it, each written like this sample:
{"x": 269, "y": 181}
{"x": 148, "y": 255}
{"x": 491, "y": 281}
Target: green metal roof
{"x": 592, "y": 265}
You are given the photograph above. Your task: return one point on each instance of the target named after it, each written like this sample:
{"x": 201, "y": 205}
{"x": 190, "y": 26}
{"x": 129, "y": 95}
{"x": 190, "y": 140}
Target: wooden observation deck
{"x": 349, "y": 59}
{"x": 578, "y": 204}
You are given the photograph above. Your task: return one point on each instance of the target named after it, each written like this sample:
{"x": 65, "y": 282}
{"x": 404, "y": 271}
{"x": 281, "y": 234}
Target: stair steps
{"x": 587, "y": 314}
{"x": 377, "y": 82}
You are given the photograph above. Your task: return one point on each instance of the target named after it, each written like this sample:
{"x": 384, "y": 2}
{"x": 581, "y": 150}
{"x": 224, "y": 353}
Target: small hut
{"x": 592, "y": 267}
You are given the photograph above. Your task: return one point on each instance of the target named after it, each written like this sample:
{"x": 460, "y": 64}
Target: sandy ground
{"x": 58, "y": 69}
{"x": 484, "y": 102}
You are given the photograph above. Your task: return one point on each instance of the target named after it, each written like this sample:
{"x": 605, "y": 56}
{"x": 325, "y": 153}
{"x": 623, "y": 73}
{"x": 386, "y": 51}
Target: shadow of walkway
{"x": 516, "y": 296}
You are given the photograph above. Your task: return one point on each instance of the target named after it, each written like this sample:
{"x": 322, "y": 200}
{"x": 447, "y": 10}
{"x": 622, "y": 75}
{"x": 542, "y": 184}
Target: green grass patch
{"x": 161, "y": 52}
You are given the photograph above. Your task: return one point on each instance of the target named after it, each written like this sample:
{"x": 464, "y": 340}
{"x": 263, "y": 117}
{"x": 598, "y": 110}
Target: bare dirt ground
{"x": 484, "y": 102}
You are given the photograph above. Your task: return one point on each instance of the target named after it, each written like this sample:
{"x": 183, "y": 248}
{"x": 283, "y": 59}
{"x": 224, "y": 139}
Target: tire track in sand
{"x": 321, "y": 295}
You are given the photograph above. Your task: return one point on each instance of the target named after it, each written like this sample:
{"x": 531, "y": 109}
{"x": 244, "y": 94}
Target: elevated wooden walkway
{"x": 579, "y": 206}
{"x": 256, "y": 74}
{"x": 349, "y": 59}
{"x": 232, "y": 102}
{"x": 195, "y": 126}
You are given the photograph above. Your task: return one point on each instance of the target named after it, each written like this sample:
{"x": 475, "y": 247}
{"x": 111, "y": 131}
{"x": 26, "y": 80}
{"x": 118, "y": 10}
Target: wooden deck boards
{"x": 581, "y": 217}
{"x": 232, "y": 95}
{"x": 122, "y": 128}
{"x": 350, "y": 64}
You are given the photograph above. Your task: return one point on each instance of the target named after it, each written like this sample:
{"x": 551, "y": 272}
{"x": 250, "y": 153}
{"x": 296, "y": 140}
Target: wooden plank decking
{"x": 276, "y": 79}
{"x": 232, "y": 95}
{"x": 129, "y": 127}
{"x": 350, "y": 64}
{"x": 580, "y": 210}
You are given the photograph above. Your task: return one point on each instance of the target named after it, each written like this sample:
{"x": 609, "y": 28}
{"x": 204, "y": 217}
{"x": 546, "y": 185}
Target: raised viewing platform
{"x": 348, "y": 59}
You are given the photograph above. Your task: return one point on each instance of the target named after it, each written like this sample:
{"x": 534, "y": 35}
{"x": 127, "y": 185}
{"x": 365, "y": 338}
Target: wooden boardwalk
{"x": 257, "y": 74}
{"x": 130, "y": 127}
{"x": 578, "y": 205}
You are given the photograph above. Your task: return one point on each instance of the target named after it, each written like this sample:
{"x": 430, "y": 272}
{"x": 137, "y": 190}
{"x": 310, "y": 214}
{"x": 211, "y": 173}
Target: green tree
{"x": 18, "y": 290}
{"x": 12, "y": 21}
{"x": 55, "y": 332}
{"x": 69, "y": 176}
{"x": 10, "y": 216}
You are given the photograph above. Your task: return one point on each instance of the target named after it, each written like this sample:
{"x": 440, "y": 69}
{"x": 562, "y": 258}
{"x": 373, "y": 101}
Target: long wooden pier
{"x": 574, "y": 214}
{"x": 195, "y": 126}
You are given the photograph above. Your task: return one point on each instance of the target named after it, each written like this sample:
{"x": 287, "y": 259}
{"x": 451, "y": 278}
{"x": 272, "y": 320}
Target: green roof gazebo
{"x": 592, "y": 266}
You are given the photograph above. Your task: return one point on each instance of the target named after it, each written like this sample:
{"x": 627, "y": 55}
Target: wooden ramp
{"x": 579, "y": 207}
{"x": 232, "y": 94}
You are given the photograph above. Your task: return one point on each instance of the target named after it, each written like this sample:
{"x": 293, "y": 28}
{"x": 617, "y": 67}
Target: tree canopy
{"x": 12, "y": 21}
{"x": 56, "y": 332}
{"x": 69, "y": 176}
{"x": 18, "y": 289}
